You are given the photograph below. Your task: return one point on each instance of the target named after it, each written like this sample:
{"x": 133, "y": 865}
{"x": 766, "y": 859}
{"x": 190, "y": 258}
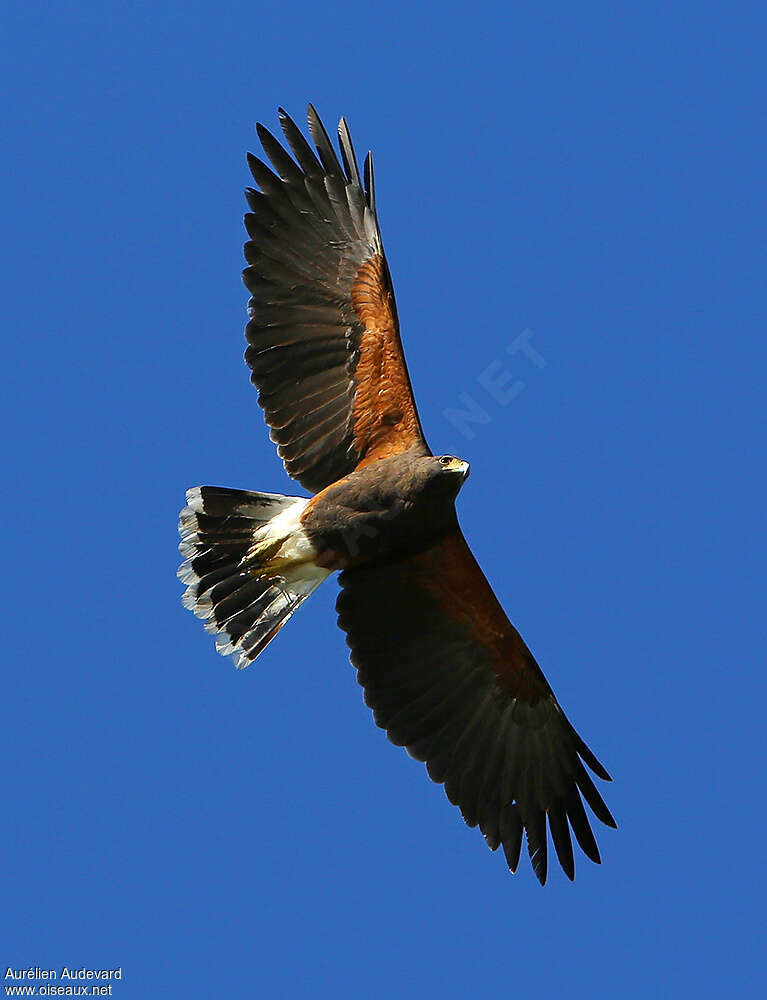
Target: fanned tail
{"x": 247, "y": 565}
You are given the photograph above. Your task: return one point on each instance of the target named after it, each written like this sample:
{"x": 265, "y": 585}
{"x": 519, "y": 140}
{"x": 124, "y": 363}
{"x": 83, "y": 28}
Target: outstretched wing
{"x": 324, "y": 345}
{"x": 449, "y": 678}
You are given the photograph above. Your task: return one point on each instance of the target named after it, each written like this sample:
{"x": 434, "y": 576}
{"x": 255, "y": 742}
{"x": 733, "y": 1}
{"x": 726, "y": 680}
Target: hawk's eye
{"x": 445, "y": 460}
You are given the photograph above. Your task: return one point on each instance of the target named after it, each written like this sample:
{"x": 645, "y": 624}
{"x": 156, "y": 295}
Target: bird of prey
{"x": 443, "y": 670}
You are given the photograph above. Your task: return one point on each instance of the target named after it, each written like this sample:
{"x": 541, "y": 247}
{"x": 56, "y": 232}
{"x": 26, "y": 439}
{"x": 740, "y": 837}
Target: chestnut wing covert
{"x": 449, "y": 678}
{"x": 324, "y": 345}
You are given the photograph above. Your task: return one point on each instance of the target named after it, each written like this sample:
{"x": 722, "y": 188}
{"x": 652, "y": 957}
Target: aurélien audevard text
{"x": 101, "y": 979}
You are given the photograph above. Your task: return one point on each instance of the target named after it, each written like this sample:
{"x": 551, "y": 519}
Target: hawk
{"x": 443, "y": 670}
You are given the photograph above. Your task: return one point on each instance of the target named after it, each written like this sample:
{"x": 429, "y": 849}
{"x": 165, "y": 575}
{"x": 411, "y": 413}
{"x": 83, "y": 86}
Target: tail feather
{"x": 247, "y": 565}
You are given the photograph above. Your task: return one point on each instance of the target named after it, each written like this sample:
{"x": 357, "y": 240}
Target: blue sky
{"x": 592, "y": 173}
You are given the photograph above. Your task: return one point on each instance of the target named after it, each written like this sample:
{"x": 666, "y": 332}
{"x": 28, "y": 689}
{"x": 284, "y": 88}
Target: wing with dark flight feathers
{"x": 449, "y": 678}
{"x": 323, "y": 336}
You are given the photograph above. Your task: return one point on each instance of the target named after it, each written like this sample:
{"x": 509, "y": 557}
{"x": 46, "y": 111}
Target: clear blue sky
{"x": 593, "y": 173}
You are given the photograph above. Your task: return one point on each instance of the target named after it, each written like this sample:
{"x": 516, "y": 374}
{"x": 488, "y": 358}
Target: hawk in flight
{"x": 443, "y": 670}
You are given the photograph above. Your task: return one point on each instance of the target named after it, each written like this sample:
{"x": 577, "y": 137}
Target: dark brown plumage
{"x": 444, "y": 671}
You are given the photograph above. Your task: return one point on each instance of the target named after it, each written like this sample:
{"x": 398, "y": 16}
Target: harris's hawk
{"x": 444, "y": 671}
